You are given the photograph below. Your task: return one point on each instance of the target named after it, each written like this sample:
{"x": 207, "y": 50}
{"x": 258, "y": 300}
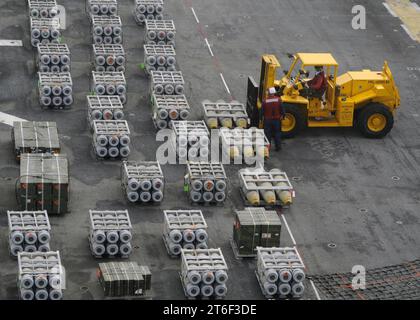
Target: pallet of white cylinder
{"x": 142, "y": 181}
{"x": 265, "y": 188}
{"x": 41, "y": 276}
{"x": 206, "y": 182}
{"x": 111, "y": 139}
{"x": 44, "y": 31}
{"x": 109, "y": 84}
{"x": 161, "y": 32}
{"x": 29, "y": 231}
{"x": 249, "y": 145}
{"x": 190, "y": 140}
{"x": 147, "y": 10}
{"x": 167, "y": 83}
{"x": 159, "y": 58}
{"x": 204, "y": 273}
{"x": 106, "y": 29}
{"x": 55, "y": 89}
{"x": 53, "y": 57}
{"x": 280, "y": 272}
{"x": 167, "y": 108}
{"x": 110, "y": 233}
{"x": 104, "y": 108}
{"x": 184, "y": 229}
{"x": 43, "y": 8}
{"x": 102, "y": 7}
{"x": 109, "y": 57}
{"x": 225, "y": 114}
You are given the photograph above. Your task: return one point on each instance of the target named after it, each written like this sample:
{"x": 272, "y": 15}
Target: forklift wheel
{"x": 294, "y": 120}
{"x": 375, "y": 121}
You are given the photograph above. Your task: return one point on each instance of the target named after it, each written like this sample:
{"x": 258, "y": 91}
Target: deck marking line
{"x": 315, "y": 290}
{"x": 195, "y": 15}
{"x": 224, "y": 82}
{"x": 208, "y": 45}
{"x": 408, "y": 32}
{"x": 389, "y": 9}
{"x": 288, "y": 229}
{"x": 9, "y": 119}
{"x": 10, "y": 43}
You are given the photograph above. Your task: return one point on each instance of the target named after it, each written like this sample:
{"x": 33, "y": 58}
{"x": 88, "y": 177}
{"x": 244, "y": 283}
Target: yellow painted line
{"x": 409, "y": 14}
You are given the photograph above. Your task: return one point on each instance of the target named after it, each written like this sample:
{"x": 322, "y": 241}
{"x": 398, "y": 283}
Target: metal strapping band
{"x": 42, "y": 181}
{"x": 36, "y": 136}
{"x": 49, "y": 134}
{"x": 59, "y": 184}
{"x": 27, "y": 183}
{"x": 23, "y": 140}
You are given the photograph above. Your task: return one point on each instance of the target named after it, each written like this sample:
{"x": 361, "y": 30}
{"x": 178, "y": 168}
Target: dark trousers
{"x": 272, "y": 129}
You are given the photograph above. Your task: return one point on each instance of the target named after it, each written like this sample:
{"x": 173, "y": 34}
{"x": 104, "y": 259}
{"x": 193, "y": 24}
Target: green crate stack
{"x": 43, "y": 183}
{"x": 256, "y": 227}
{"x": 124, "y": 279}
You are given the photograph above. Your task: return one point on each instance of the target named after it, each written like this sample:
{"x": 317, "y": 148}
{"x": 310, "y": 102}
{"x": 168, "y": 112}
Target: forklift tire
{"x": 295, "y": 120}
{"x": 375, "y": 121}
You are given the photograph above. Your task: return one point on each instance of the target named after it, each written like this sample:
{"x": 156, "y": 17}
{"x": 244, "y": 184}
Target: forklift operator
{"x": 273, "y": 114}
{"x": 318, "y": 84}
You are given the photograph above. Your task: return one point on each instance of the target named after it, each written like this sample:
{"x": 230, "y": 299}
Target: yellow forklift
{"x": 365, "y": 99}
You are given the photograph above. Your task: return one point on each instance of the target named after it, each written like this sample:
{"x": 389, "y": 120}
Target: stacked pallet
{"x": 104, "y": 108}
{"x": 245, "y": 145}
{"x": 168, "y": 108}
{"x": 167, "y": 83}
{"x": 142, "y": 181}
{"x": 265, "y": 188}
{"x": 252, "y": 228}
{"x": 161, "y": 32}
{"x": 206, "y": 182}
{"x": 29, "y": 231}
{"x": 106, "y": 29}
{"x": 41, "y": 276}
{"x": 147, "y": 10}
{"x": 109, "y": 84}
{"x": 110, "y": 233}
{"x": 44, "y": 31}
{"x": 109, "y": 57}
{"x": 223, "y": 114}
{"x": 53, "y": 58}
{"x": 111, "y": 139}
{"x": 43, "y": 8}
{"x": 43, "y": 183}
{"x": 159, "y": 58}
{"x": 35, "y": 137}
{"x": 280, "y": 272}
{"x": 191, "y": 140}
{"x": 55, "y": 89}
{"x": 184, "y": 229}
{"x": 102, "y": 7}
{"x": 204, "y": 273}
{"x": 124, "y": 279}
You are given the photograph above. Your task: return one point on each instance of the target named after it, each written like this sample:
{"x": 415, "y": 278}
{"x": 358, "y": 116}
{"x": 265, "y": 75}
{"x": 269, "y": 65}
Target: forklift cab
{"x": 302, "y": 71}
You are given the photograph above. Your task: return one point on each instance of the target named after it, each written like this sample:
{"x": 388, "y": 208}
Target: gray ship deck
{"x": 341, "y": 173}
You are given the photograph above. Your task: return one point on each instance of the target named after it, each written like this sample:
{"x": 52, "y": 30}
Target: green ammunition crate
{"x": 35, "y": 137}
{"x": 124, "y": 279}
{"x": 43, "y": 183}
{"x": 255, "y": 227}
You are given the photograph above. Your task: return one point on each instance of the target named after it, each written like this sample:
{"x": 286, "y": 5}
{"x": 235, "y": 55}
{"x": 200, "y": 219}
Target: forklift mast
{"x": 256, "y": 93}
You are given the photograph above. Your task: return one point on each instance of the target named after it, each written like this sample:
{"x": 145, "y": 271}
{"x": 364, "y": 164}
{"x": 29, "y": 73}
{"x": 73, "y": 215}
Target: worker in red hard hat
{"x": 273, "y": 113}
